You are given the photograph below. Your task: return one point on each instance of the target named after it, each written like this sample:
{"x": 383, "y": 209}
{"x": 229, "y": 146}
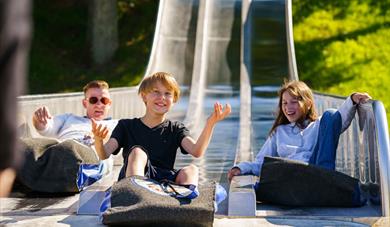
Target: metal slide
{"x": 238, "y": 52}
{"x": 363, "y": 150}
{"x": 174, "y": 40}
{"x": 198, "y": 42}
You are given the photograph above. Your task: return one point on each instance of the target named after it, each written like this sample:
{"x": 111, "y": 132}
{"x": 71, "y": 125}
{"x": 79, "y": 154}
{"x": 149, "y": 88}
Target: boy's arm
{"x": 105, "y": 150}
{"x": 100, "y": 133}
{"x": 46, "y": 124}
{"x": 198, "y": 148}
{"x": 41, "y": 118}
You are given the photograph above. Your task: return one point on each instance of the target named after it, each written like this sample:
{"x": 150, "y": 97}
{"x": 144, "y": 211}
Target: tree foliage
{"x": 59, "y": 56}
{"x": 344, "y": 46}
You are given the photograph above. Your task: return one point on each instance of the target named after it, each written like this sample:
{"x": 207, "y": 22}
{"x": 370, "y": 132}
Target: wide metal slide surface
{"x": 235, "y": 52}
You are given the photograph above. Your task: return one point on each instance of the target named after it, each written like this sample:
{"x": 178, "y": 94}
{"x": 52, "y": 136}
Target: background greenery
{"x": 344, "y": 46}
{"x": 59, "y": 57}
{"x": 341, "y": 46}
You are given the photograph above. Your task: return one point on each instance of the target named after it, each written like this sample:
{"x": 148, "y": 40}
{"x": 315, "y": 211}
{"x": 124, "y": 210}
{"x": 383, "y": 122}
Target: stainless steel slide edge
{"x": 242, "y": 197}
{"x": 384, "y": 154}
{"x": 292, "y": 63}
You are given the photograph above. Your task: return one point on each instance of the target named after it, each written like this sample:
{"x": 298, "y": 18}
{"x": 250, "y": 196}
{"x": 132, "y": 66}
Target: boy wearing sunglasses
{"x": 150, "y": 143}
{"x": 74, "y": 145}
{"x": 97, "y": 103}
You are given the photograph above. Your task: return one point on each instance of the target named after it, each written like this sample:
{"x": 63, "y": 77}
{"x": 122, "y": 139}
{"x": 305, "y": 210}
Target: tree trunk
{"x": 102, "y": 30}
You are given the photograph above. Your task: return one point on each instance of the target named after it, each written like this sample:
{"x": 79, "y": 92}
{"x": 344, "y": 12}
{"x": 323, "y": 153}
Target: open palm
{"x": 98, "y": 130}
{"x": 220, "y": 112}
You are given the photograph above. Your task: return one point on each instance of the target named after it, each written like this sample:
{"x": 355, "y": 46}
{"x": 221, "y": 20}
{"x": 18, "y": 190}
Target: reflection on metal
{"x": 382, "y": 133}
{"x": 363, "y": 150}
{"x": 214, "y": 36}
{"x": 292, "y": 64}
{"x": 174, "y": 39}
{"x": 244, "y": 152}
{"x": 241, "y": 187}
{"x": 195, "y": 106}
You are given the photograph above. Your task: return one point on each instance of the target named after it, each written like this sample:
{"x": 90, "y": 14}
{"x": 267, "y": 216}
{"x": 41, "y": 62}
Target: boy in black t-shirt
{"x": 150, "y": 143}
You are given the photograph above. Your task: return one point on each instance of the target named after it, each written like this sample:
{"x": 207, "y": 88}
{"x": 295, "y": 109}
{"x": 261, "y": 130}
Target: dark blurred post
{"x": 15, "y": 31}
{"x": 102, "y": 30}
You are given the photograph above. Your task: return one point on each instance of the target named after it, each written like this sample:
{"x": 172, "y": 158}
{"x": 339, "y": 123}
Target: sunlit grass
{"x": 344, "y": 46}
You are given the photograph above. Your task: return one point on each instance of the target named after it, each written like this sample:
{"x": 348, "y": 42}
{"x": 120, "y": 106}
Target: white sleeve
{"x": 254, "y": 168}
{"x": 347, "y": 111}
{"x": 54, "y": 126}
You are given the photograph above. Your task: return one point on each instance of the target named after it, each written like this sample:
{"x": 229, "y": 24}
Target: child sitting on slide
{"x": 299, "y": 134}
{"x": 150, "y": 143}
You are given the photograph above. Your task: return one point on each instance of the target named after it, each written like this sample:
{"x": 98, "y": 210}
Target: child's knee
{"x": 190, "y": 170}
{"x": 329, "y": 113}
{"x": 331, "y": 116}
{"x": 136, "y": 153}
{"x": 193, "y": 169}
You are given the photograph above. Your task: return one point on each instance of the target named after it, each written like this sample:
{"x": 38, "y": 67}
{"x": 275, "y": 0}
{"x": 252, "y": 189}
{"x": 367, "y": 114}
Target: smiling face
{"x": 159, "y": 99}
{"x": 296, "y": 104}
{"x": 98, "y": 110}
{"x": 292, "y": 107}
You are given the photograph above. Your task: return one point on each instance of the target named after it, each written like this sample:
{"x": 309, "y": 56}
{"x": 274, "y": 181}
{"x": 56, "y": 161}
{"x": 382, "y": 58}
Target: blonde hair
{"x": 165, "y": 78}
{"x": 304, "y": 95}
{"x": 96, "y": 84}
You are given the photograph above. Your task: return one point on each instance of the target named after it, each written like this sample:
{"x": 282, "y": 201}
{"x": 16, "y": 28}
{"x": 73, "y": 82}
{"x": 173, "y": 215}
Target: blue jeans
{"x": 324, "y": 153}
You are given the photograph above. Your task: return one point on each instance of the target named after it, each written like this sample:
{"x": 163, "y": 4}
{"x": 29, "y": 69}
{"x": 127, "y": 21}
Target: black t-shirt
{"x": 160, "y": 142}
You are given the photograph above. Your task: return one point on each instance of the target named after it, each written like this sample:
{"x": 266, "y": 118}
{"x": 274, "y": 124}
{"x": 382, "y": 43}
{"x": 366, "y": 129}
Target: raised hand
{"x": 99, "y": 132}
{"x": 219, "y": 112}
{"x": 360, "y": 98}
{"x": 41, "y": 117}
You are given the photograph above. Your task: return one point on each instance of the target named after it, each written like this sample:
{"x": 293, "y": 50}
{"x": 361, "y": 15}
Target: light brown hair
{"x": 304, "y": 95}
{"x": 96, "y": 84}
{"x": 165, "y": 78}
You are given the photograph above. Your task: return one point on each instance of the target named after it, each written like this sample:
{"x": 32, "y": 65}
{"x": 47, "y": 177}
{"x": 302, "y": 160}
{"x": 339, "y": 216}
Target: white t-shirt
{"x": 70, "y": 126}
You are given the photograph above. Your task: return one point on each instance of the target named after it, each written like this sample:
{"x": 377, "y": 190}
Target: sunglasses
{"x": 94, "y": 100}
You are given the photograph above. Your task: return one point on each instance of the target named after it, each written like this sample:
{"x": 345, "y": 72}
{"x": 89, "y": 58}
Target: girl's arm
{"x": 348, "y": 109}
{"x": 100, "y": 133}
{"x": 198, "y": 148}
{"x": 244, "y": 168}
{"x": 360, "y": 98}
{"x": 254, "y": 168}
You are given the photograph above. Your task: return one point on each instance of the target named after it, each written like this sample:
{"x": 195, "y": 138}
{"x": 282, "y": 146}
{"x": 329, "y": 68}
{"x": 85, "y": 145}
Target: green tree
{"x": 343, "y": 46}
